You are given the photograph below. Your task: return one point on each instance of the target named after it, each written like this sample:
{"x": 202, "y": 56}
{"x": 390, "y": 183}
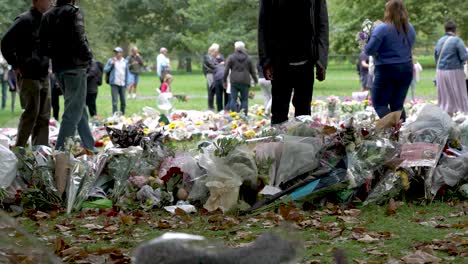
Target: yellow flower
{"x": 233, "y": 114}
{"x": 249, "y": 134}
{"x": 260, "y": 112}
{"x": 146, "y": 131}
{"x": 199, "y": 123}
{"x": 234, "y": 126}
{"x": 162, "y": 124}
{"x": 172, "y": 126}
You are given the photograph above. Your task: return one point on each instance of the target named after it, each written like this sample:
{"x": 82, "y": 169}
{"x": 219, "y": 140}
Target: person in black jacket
{"x": 95, "y": 71}
{"x": 20, "y": 47}
{"x": 63, "y": 39}
{"x": 292, "y": 40}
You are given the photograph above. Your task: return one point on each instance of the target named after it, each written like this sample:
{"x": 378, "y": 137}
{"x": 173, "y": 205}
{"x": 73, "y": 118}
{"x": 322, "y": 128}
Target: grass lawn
{"x": 321, "y": 232}
{"x": 339, "y": 83}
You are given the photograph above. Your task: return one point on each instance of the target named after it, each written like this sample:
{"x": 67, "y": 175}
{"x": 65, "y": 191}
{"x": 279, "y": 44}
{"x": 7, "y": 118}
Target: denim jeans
{"x": 243, "y": 89}
{"x": 4, "y": 91}
{"x": 391, "y": 87}
{"x": 73, "y": 85}
{"x": 118, "y": 91}
{"x": 34, "y": 121}
{"x": 91, "y": 103}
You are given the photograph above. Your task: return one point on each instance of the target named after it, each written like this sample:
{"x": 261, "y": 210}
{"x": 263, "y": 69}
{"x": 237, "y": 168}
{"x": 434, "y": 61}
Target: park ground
{"x": 373, "y": 234}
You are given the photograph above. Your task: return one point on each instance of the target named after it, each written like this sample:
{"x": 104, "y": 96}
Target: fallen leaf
{"x": 93, "y": 227}
{"x": 73, "y": 251}
{"x": 368, "y": 239}
{"x": 429, "y": 224}
{"x": 112, "y": 228}
{"x": 126, "y": 219}
{"x": 352, "y": 212}
{"x": 392, "y": 207}
{"x": 62, "y": 228}
{"x": 349, "y": 219}
{"x": 163, "y": 224}
{"x": 375, "y": 252}
{"x": 41, "y": 216}
{"x": 420, "y": 257}
{"x": 244, "y": 235}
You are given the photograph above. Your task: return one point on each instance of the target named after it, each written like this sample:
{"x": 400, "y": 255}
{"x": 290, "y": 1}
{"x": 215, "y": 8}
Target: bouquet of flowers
{"x": 364, "y": 35}
{"x": 332, "y": 106}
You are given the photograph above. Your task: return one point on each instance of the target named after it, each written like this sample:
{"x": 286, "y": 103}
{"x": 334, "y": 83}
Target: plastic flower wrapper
{"x": 97, "y": 166}
{"x": 26, "y": 162}
{"x": 18, "y": 246}
{"x": 464, "y": 132}
{"x": 333, "y": 106}
{"x": 8, "y": 167}
{"x": 120, "y": 165}
{"x": 390, "y": 186}
{"x": 299, "y": 156}
{"x": 450, "y": 171}
{"x": 45, "y": 165}
{"x": 368, "y": 157}
{"x": 81, "y": 169}
{"x": 128, "y": 136}
{"x": 364, "y": 35}
{"x": 227, "y": 169}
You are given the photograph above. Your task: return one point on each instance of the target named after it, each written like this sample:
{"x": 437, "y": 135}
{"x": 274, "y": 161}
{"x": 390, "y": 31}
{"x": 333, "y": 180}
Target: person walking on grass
{"x": 166, "y": 85}
{"x": 136, "y": 66}
{"x": 241, "y": 69}
{"x": 119, "y": 72}
{"x": 163, "y": 66}
{"x": 450, "y": 54}
{"x": 63, "y": 39}
{"x": 20, "y": 47}
{"x": 391, "y": 44}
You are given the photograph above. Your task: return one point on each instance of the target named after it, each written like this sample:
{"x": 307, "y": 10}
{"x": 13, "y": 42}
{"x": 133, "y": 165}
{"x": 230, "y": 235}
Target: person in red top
{"x": 166, "y": 85}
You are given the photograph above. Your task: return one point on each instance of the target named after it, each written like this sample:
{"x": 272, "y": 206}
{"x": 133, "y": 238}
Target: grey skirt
{"x": 452, "y": 93}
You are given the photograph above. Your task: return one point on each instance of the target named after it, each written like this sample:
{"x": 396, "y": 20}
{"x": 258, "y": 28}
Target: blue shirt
{"x": 454, "y": 54}
{"x": 388, "y": 46}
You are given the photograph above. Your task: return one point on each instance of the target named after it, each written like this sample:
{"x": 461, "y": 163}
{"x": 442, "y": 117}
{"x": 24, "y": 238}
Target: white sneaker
{"x": 134, "y": 95}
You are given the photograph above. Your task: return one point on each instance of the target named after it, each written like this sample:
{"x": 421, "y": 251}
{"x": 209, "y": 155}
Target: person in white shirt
{"x": 118, "y": 69}
{"x": 162, "y": 64}
{"x": 417, "y": 69}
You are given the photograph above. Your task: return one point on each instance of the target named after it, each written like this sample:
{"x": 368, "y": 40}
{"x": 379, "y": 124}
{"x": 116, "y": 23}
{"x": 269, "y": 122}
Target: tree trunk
{"x": 188, "y": 63}
{"x": 181, "y": 65}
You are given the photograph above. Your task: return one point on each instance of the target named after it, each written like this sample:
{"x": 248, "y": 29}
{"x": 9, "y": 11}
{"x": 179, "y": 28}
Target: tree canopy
{"x": 188, "y": 27}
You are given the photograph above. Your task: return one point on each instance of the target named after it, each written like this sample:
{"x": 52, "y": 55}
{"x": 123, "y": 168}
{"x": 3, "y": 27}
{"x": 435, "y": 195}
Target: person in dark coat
{"x": 292, "y": 41}
{"x": 94, "y": 80}
{"x": 21, "y": 49}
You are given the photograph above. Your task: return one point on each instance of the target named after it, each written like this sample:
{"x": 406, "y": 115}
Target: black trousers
{"x": 54, "y": 101}
{"x": 220, "y": 95}
{"x": 287, "y": 79}
{"x": 91, "y": 103}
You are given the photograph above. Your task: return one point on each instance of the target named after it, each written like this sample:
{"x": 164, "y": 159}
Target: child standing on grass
{"x": 166, "y": 85}
{"x": 417, "y": 69}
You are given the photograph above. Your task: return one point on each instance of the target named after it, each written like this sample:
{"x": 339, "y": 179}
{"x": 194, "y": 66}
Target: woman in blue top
{"x": 391, "y": 44}
{"x": 450, "y": 54}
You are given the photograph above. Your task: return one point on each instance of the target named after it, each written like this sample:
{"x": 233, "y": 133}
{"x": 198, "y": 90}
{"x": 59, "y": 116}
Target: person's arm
{"x": 364, "y": 64}
{"x": 227, "y": 69}
{"x": 322, "y": 31}
{"x": 253, "y": 72}
{"x": 374, "y": 43}
{"x": 462, "y": 51}
{"x": 265, "y": 38}
{"x": 109, "y": 66}
{"x": 10, "y": 43}
{"x": 79, "y": 32}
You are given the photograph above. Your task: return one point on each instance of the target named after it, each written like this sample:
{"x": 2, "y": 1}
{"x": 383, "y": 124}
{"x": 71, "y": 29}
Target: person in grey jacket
{"x": 292, "y": 40}
{"x": 241, "y": 68}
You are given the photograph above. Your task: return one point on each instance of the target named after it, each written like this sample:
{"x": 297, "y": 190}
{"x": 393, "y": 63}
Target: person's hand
{"x": 113, "y": 61}
{"x": 225, "y": 86}
{"x": 320, "y": 73}
{"x": 268, "y": 72}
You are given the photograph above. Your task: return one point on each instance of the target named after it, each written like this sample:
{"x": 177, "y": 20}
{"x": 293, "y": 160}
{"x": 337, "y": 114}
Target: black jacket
{"x": 20, "y": 46}
{"x": 209, "y": 64}
{"x": 94, "y": 78}
{"x": 63, "y": 38}
{"x": 241, "y": 68}
{"x": 274, "y": 38}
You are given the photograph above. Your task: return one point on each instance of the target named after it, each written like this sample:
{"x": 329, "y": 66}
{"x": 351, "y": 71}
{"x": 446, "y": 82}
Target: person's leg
{"x": 73, "y": 84}
{"x": 4, "y": 91}
{"x": 233, "y": 99}
{"x": 226, "y": 98}
{"x": 13, "y": 99}
{"x": 303, "y": 89}
{"x": 30, "y": 97}
{"x": 123, "y": 101}
{"x": 211, "y": 90}
{"x": 403, "y": 77}
{"x": 84, "y": 131}
{"x": 115, "y": 97}
{"x": 382, "y": 90}
{"x": 135, "y": 85}
{"x": 281, "y": 91}
{"x": 219, "y": 90}
{"x": 54, "y": 100}
{"x": 91, "y": 103}
{"x": 40, "y": 133}
{"x": 244, "y": 97}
